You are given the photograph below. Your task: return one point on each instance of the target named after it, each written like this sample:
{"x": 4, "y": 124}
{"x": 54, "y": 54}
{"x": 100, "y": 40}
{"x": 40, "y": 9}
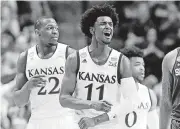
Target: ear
{"x": 37, "y": 32}
{"x": 92, "y": 31}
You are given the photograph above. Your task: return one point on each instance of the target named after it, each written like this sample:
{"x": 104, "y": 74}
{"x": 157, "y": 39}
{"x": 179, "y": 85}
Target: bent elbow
{"x": 19, "y": 103}
{"x": 63, "y": 101}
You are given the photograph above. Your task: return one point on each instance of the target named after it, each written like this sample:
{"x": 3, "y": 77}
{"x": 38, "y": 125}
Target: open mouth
{"x": 107, "y": 34}
{"x": 142, "y": 75}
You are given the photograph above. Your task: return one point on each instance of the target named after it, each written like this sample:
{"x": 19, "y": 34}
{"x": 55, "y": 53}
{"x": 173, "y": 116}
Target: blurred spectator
{"x": 7, "y": 41}
{"x": 27, "y": 37}
{"x": 153, "y": 55}
{"x": 9, "y": 17}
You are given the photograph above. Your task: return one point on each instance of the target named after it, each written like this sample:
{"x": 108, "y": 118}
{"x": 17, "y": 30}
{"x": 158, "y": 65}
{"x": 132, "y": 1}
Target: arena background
{"x": 152, "y": 26}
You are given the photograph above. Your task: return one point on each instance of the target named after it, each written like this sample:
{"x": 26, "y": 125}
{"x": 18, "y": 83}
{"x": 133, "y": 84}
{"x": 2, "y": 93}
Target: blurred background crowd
{"x": 152, "y": 26}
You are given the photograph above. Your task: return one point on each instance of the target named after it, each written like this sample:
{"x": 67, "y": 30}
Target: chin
{"x": 140, "y": 79}
{"x": 107, "y": 42}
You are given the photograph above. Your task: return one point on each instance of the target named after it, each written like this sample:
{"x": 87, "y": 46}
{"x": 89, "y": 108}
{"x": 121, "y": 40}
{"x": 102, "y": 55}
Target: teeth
{"x": 107, "y": 34}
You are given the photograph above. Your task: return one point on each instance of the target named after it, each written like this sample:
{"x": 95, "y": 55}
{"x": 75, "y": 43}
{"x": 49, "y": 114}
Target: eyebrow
{"x": 50, "y": 25}
{"x": 139, "y": 62}
{"x": 105, "y": 22}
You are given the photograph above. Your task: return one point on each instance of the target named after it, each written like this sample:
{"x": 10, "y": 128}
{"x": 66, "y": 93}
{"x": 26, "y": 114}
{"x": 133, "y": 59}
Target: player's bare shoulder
{"x": 70, "y": 50}
{"x": 169, "y": 59}
{"x": 21, "y": 63}
{"x": 72, "y": 61}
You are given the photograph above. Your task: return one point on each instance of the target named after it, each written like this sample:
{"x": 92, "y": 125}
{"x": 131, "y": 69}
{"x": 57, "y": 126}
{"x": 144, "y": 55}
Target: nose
{"x": 55, "y": 31}
{"x": 142, "y": 68}
{"x": 108, "y": 25}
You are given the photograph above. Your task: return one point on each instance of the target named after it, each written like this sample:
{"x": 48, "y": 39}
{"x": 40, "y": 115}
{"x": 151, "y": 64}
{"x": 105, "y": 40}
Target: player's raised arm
{"x": 128, "y": 87}
{"x": 165, "y": 106}
{"x": 23, "y": 86}
{"x": 127, "y": 81}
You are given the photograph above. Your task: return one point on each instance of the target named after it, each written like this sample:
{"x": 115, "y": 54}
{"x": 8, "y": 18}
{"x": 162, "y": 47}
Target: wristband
{"x": 111, "y": 115}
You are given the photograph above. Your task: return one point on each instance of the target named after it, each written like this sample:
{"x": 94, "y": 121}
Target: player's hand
{"x": 101, "y": 106}
{"x": 86, "y": 122}
{"x": 36, "y": 81}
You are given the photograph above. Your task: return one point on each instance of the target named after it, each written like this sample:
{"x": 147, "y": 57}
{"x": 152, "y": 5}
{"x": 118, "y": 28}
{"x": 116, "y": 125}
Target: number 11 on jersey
{"x": 100, "y": 88}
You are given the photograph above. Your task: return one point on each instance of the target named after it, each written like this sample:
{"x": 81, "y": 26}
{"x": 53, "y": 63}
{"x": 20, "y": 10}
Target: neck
{"x": 136, "y": 81}
{"x": 97, "y": 49}
{"x": 44, "y": 51}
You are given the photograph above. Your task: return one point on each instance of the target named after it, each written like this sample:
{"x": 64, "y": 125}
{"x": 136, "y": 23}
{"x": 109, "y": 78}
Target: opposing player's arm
{"x": 153, "y": 121}
{"x": 21, "y": 93}
{"x": 69, "y": 84}
{"x": 165, "y": 106}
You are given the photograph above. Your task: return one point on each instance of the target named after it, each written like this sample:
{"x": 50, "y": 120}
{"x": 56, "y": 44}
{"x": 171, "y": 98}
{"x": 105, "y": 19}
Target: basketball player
{"x": 145, "y": 114}
{"x": 170, "y": 102}
{"x": 39, "y": 73}
{"x": 93, "y": 73}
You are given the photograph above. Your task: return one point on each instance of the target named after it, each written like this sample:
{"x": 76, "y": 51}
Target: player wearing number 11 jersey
{"x": 39, "y": 74}
{"x": 94, "y": 74}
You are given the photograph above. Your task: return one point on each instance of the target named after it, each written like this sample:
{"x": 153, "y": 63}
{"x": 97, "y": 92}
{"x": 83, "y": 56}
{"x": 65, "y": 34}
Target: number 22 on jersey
{"x": 54, "y": 90}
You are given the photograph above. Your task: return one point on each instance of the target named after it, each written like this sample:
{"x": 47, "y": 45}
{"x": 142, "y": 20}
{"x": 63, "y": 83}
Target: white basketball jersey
{"x": 45, "y": 100}
{"x": 97, "y": 82}
{"x": 137, "y": 119}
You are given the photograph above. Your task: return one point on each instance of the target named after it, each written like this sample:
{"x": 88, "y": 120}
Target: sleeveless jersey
{"x": 97, "y": 82}
{"x": 137, "y": 119}
{"x": 45, "y": 100}
{"x": 175, "y": 90}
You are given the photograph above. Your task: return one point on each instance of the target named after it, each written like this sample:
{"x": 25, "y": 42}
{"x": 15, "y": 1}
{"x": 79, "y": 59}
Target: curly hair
{"x": 132, "y": 52}
{"x": 90, "y": 16}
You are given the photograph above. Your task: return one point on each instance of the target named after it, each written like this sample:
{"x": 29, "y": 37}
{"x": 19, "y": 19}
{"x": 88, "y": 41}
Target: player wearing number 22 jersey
{"x": 39, "y": 75}
{"x": 46, "y": 98}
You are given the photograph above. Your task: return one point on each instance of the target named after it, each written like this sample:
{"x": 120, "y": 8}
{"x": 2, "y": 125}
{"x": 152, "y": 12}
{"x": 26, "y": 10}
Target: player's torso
{"x": 97, "y": 82}
{"x": 137, "y": 118}
{"x": 176, "y": 87}
{"x": 45, "y": 100}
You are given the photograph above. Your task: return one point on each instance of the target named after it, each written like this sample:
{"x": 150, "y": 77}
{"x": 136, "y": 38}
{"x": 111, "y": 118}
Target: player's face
{"x": 103, "y": 29}
{"x": 49, "y": 33}
{"x": 138, "y": 70}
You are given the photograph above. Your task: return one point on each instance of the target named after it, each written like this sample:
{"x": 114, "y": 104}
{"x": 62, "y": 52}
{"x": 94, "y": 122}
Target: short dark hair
{"x": 39, "y": 22}
{"x": 90, "y": 16}
{"x": 132, "y": 52}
